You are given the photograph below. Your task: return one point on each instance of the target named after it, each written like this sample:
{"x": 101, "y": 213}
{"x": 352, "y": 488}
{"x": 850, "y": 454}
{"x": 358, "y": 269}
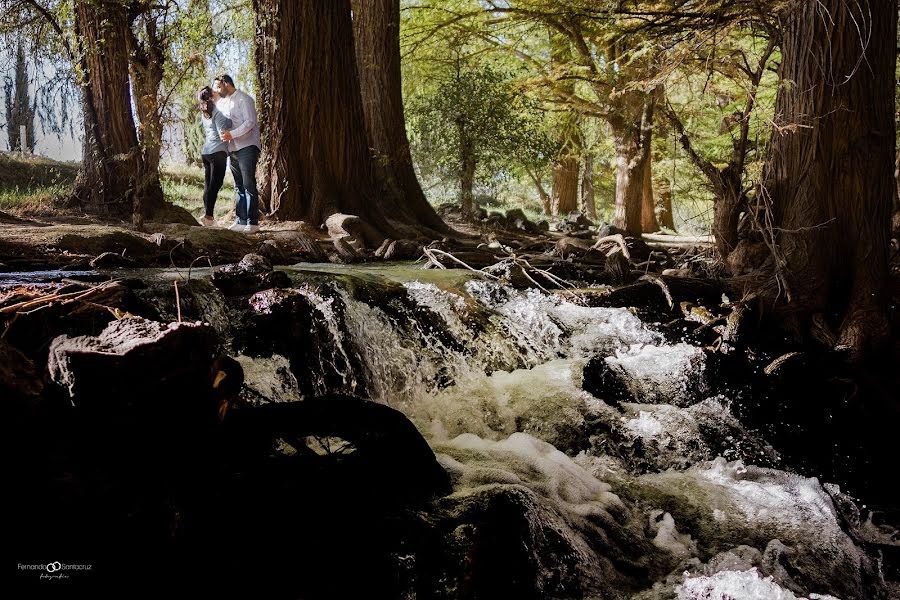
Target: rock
{"x": 346, "y": 252}
{"x": 253, "y": 273}
{"x": 389, "y": 452}
{"x": 133, "y": 361}
{"x": 404, "y": 250}
{"x": 109, "y": 260}
{"x": 605, "y": 383}
{"x": 270, "y": 250}
{"x": 19, "y": 379}
{"x": 516, "y": 219}
{"x": 341, "y": 225}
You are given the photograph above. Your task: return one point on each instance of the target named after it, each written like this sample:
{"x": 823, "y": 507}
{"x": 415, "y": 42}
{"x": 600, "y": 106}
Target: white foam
{"x": 659, "y": 373}
{"x": 737, "y": 585}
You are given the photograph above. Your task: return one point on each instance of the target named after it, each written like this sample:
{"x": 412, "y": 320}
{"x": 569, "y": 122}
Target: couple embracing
{"x": 231, "y": 134}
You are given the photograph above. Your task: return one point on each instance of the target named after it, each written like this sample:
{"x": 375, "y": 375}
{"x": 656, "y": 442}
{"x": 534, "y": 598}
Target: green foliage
{"x": 477, "y": 112}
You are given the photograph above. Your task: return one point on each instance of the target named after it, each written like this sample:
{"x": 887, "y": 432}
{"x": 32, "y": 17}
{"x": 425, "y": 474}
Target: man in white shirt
{"x": 243, "y": 151}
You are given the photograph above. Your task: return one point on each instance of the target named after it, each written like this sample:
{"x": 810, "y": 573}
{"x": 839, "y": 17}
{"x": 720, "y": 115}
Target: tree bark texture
{"x": 316, "y": 151}
{"x": 666, "y": 217}
{"x": 588, "y": 198}
{"x": 648, "y": 203}
{"x": 564, "y": 194}
{"x": 112, "y": 180}
{"x": 376, "y": 32}
{"x": 632, "y": 126}
{"x": 147, "y": 63}
{"x": 824, "y": 212}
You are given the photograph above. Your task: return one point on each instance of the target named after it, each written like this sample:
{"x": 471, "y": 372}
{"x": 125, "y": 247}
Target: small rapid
{"x": 657, "y": 491}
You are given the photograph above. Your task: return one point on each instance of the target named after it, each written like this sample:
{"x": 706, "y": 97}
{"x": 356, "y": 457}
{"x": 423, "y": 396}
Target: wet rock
{"x": 389, "y": 452}
{"x": 297, "y": 324}
{"x": 605, "y": 383}
{"x": 131, "y": 361}
{"x": 109, "y": 260}
{"x": 19, "y": 379}
{"x": 500, "y": 542}
{"x": 253, "y": 273}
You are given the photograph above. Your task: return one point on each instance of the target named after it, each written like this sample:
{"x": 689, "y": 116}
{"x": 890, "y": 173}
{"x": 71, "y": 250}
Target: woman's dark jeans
{"x": 213, "y": 175}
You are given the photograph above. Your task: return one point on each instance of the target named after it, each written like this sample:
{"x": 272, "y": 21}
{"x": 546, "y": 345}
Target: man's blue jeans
{"x": 246, "y": 198}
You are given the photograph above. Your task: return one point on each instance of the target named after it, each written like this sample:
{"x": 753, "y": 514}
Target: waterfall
{"x": 658, "y": 492}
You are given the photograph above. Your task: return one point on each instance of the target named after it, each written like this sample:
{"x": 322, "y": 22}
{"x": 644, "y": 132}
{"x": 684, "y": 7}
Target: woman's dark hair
{"x": 204, "y": 96}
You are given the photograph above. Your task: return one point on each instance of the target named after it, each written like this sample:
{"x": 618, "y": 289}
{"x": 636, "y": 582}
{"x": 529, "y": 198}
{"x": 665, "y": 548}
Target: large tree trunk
{"x": 113, "y": 180}
{"x": 317, "y": 159}
{"x": 147, "y": 63}
{"x": 564, "y": 194}
{"x": 631, "y": 126}
{"x": 828, "y": 179}
{"x": 588, "y": 203}
{"x": 648, "y": 203}
{"x": 376, "y": 31}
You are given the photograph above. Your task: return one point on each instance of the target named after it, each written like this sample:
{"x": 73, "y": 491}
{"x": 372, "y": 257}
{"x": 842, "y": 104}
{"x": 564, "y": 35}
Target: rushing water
{"x": 667, "y": 495}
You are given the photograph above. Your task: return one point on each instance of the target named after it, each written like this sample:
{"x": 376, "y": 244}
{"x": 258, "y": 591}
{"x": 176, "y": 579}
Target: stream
{"x": 660, "y": 488}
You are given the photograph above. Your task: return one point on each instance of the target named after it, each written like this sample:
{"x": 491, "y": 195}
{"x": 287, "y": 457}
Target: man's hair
{"x": 225, "y": 78}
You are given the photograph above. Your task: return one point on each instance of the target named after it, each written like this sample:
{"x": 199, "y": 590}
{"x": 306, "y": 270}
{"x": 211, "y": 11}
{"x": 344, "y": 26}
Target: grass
{"x": 32, "y": 184}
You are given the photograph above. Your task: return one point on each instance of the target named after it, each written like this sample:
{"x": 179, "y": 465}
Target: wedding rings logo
{"x": 55, "y": 570}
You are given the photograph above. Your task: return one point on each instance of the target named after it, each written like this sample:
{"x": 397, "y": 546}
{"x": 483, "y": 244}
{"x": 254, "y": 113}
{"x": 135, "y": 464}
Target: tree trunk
{"x": 666, "y": 216}
{"x": 376, "y": 31}
{"x": 147, "y": 62}
{"x": 648, "y": 204}
{"x": 539, "y": 186}
{"x": 19, "y": 110}
{"x": 631, "y": 137}
{"x": 466, "y": 179}
{"x": 317, "y": 159}
{"x": 564, "y": 194}
{"x": 112, "y": 180}
{"x": 588, "y": 205}
{"x": 828, "y": 177}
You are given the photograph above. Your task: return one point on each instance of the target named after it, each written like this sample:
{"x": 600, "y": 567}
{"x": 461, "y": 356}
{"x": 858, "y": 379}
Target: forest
{"x": 452, "y": 298}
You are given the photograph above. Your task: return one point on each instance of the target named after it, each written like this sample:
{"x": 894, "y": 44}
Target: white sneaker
{"x": 251, "y": 228}
{"x": 207, "y": 221}
{"x": 236, "y": 227}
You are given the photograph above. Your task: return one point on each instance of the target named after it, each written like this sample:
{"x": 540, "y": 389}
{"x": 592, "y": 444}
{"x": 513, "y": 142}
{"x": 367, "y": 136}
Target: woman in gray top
{"x": 214, "y": 152}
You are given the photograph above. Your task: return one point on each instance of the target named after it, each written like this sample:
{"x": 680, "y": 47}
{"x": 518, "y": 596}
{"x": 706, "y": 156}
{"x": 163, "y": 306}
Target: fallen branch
{"x": 679, "y": 239}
